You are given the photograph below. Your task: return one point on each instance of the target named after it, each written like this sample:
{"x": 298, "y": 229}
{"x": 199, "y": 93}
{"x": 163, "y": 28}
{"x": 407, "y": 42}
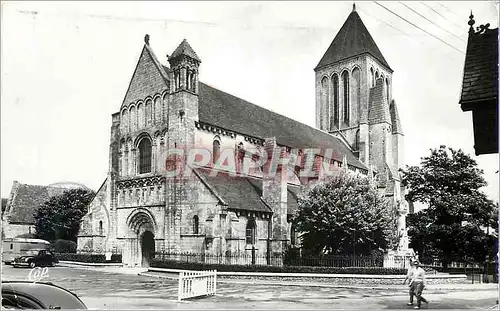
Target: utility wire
{"x": 378, "y": 19}
{"x": 449, "y": 10}
{"x": 411, "y": 37}
{"x": 459, "y": 26}
{"x": 409, "y": 8}
{"x": 430, "y": 34}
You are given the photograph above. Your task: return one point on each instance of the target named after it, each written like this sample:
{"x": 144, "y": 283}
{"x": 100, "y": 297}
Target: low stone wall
{"x": 335, "y": 279}
{"x": 374, "y": 280}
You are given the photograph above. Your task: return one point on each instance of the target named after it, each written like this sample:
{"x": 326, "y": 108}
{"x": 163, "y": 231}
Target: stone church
{"x": 138, "y": 210}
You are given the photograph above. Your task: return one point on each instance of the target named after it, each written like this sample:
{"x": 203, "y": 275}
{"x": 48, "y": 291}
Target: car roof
{"x": 47, "y": 293}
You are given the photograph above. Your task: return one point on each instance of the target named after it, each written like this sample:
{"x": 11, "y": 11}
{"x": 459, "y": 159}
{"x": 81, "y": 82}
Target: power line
{"x": 449, "y": 10}
{"x": 430, "y": 34}
{"x": 411, "y": 37}
{"x": 459, "y": 26}
{"x": 357, "y": 9}
{"x": 431, "y": 21}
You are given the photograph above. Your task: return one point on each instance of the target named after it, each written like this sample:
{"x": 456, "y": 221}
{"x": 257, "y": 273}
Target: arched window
{"x": 177, "y": 79}
{"x": 100, "y": 227}
{"x": 356, "y": 147}
{"x": 157, "y": 116}
{"x": 387, "y": 90}
{"x": 324, "y": 104}
{"x": 145, "y": 156}
{"x": 193, "y": 81}
{"x": 215, "y": 151}
{"x": 140, "y": 116}
{"x": 377, "y": 75}
{"x": 356, "y": 93}
{"x": 149, "y": 112}
{"x": 125, "y": 121}
{"x": 345, "y": 107}
{"x": 133, "y": 119}
{"x": 372, "y": 77}
{"x": 196, "y": 225}
{"x": 335, "y": 107}
{"x": 293, "y": 235}
{"x": 251, "y": 232}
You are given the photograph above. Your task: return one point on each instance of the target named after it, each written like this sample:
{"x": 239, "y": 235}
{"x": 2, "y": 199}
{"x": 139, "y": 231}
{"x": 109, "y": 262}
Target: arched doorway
{"x": 147, "y": 248}
{"x": 141, "y": 238}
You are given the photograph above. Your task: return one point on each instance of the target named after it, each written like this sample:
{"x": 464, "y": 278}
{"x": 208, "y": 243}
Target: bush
{"x": 64, "y": 246}
{"x": 88, "y": 258}
{"x": 171, "y": 264}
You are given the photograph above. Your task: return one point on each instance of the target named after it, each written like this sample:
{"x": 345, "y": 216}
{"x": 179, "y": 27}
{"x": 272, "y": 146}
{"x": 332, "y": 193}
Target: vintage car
{"x": 39, "y": 295}
{"x": 36, "y": 258}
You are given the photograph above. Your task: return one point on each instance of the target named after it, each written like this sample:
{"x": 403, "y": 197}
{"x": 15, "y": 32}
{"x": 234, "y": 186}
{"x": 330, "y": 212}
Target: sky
{"x": 65, "y": 68}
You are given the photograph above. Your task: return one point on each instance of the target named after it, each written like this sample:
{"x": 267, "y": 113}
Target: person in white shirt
{"x": 418, "y": 282}
{"x": 409, "y": 277}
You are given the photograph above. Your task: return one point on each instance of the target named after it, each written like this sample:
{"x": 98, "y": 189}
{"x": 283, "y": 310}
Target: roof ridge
{"x": 241, "y": 99}
{"x": 236, "y": 174}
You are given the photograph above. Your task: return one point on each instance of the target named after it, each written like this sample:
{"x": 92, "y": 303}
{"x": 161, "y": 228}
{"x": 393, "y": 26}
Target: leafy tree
{"x": 346, "y": 215}
{"x": 60, "y": 216}
{"x": 451, "y": 228}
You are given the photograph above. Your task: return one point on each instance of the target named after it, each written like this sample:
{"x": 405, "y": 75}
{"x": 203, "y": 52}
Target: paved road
{"x": 103, "y": 290}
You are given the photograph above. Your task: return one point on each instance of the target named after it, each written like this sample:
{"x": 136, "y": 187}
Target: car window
{"x": 42, "y": 253}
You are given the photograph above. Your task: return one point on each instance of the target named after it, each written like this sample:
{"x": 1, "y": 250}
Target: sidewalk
{"x": 173, "y": 275}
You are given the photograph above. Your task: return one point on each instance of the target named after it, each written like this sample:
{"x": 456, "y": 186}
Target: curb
{"x": 89, "y": 264}
{"x": 314, "y": 275}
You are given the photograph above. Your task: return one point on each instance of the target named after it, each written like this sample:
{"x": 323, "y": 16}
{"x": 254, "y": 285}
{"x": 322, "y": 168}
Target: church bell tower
{"x": 354, "y": 103}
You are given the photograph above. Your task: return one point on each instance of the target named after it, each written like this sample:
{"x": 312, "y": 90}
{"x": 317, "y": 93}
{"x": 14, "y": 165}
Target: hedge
{"x": 64, "y": 246}
{"x": 89, "y": 258}
{"x": 171, "y": 264}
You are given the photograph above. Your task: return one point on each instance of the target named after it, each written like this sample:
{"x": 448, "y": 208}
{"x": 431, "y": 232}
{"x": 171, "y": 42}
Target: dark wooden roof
{"x": 27, "y": 199}
{"x": 352, "y": 39}
{"x": 480, "y": 80}
{"x": 232, "y": 113}
{"x": 244, "y": 192}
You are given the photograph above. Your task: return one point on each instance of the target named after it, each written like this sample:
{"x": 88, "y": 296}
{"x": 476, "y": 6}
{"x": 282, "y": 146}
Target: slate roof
{"x": 480, "y": 81}
{"x": 244, "y": 192}
{"x": 232, "y": 113}
{"x": 396, "y": 122}
{"x": 184, "y": 49}
{"x": 352, "y": 39}
{"x": 378, "y": 107}
{"x": 26, "y": 199}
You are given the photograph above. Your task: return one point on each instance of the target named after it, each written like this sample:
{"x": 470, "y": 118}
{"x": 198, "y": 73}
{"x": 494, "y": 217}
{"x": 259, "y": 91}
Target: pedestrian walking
{"x": 409, "y": 278}
{"x": 419, "y": 284}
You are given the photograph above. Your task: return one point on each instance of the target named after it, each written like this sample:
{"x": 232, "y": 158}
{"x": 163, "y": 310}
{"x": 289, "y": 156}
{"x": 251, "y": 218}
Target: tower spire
{"x": 354, "y": 6}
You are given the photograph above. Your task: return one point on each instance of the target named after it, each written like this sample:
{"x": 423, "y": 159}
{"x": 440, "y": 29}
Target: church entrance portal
{"x": 147, "y": 248}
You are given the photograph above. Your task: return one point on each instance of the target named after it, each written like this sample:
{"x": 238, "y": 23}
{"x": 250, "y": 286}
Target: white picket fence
{"x": 197, "y": 283}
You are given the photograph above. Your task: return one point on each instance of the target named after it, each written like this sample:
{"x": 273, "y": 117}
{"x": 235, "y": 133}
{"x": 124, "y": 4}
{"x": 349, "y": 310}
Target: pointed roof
{"x": 352, "y": 39}
{"x": 184, "y": 49}
{"x": 26, "y": 199}
{"x": 396, "y": 123}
